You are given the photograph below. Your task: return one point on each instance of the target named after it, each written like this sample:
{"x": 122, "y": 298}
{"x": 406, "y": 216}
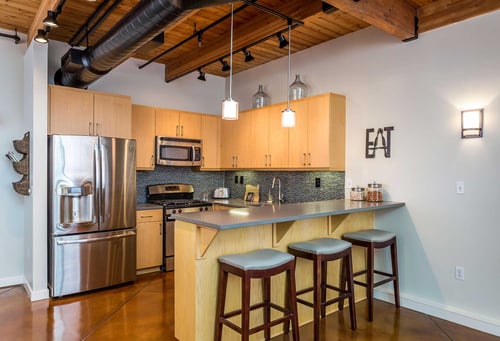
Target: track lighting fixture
{"x": 51, "y": 19}
{"x": 201, "y": 77}
{"x": 225, "y": 65}
{"x": 41, "y": 37}
{"x": 200, "y": 39}
{"x": 283, "y": 42}
{"x": 248, "y": 56}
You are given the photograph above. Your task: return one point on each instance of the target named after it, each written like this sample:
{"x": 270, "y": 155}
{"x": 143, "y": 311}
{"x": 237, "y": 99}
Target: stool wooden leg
{"x": 317, "y": 296}
{"x": 369, "y": 280}
{"x": 324, "y": 276}
{"x": 292, "y": 301}
{"x": 245, "y": 307}
{"x": 394, "y": 259}
{"x": 266, "y": 290}
{"x": 221, "y": 302}
{"x": 343, "y": 282}
{"x": 350, "y": 288}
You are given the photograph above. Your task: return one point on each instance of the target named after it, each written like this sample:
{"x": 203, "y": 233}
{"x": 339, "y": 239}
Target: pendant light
{"x": 230, "y": 106}
{"x": 288, "y": 115}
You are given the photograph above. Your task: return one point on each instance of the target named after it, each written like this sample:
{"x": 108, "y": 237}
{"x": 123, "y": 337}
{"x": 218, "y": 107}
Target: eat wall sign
{"x": 380, "y": 140}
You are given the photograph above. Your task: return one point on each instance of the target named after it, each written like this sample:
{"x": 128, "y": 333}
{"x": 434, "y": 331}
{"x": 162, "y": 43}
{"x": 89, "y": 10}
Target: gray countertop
{"x": 148, "y": 206}
{"x": 276, "y": 213}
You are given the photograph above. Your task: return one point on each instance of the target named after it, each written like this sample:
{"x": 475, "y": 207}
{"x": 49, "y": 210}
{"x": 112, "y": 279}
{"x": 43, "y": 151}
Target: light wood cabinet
{"x": 175, "y": 123}
{"x": 143, "y": 131}
{"x": 270, "y": 140}
{"x": 83, "y": 112}
{"x": 318, "y": 138}
{"x": 210, "y": 137}
{"x": 149, "y": 238}
{"x": 237, "y": 142}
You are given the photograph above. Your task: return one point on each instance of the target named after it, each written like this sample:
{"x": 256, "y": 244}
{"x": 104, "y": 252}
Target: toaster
{"x": 221, "y": 193}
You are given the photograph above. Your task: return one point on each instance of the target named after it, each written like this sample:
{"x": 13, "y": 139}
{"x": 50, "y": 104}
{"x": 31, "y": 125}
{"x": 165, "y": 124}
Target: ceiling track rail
{"x": 84, "y": 27}
{"x": 14, "y": 36}
{"x": 289, "y": 20}
{"x": 293, "y": 26}
{"x": 196, "y": 34}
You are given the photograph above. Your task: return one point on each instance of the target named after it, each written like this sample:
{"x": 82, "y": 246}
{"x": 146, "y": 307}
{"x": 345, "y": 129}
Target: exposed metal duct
{"x": 79, "y": 69}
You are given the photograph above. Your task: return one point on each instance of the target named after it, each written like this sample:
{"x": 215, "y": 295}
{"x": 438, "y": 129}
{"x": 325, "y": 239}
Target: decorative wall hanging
{"x": 21, "y": 166}
{"x": 382, "y": 141}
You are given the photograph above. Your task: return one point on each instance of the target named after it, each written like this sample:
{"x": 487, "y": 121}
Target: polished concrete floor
{"x": 144, "y": 311}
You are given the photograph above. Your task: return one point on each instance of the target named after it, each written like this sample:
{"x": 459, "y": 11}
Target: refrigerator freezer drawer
{"x": 92, "y": 261}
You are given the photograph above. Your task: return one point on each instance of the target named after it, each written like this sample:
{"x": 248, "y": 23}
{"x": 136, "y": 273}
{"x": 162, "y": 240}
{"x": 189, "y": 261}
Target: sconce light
{"x": 41, "y": 36}
{"x": 472, "y": 123}
{"x": 201, "y": 77}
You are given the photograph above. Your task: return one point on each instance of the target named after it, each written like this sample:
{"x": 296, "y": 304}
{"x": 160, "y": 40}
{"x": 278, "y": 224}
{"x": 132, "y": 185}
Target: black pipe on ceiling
{"x": 144, "y": 22}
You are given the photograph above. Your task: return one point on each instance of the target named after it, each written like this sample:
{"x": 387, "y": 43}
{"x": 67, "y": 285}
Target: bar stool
{"x": 262, "y": 264}
{"x": 321, "y": 251}
{"x": 375, "y": 239}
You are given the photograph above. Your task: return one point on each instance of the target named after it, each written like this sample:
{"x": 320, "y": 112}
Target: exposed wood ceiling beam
{"x": 244, "y": 35}
{"x": 396, "y": 17}
{"x": 444, "y": 12}
{"x": 41, "y": 13}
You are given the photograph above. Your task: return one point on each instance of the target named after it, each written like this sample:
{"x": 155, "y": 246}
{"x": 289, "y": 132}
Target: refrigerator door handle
{"x": 92, "y": 240}
{"x": 98, "y": 183}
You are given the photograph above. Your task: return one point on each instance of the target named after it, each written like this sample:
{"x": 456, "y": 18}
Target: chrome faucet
{"x": 281, "y": 197}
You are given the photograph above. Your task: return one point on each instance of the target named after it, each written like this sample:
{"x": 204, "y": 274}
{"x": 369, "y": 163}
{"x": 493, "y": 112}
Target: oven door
{"x": 178, "y": 152}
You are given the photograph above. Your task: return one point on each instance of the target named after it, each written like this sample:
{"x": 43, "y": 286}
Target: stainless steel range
{"x": 175, "y": 199}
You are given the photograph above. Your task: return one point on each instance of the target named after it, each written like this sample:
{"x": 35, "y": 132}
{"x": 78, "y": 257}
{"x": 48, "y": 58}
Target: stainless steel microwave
{"x": 171, "y": 151}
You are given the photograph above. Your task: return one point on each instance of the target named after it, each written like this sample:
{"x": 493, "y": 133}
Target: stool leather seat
{"x": 370, "y": 235}
{"x": 257, "y": 260}
{"x": 321, "y": 246}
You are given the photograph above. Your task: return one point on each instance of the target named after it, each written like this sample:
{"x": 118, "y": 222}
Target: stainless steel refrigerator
{"x": 92, "y": 200}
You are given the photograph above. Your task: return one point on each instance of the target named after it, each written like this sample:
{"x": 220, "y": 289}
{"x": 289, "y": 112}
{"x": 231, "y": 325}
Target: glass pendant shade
{"x": 288, "y": 118}
{"x": 260, "y": 98}
{"x": 298, "y": 89}
{"x": 230, "y": 109}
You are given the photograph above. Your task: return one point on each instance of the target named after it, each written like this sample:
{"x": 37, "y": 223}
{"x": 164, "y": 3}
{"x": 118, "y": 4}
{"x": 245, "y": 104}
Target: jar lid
{"x": 357, "y": 189}
{"x": 374, "y": 185}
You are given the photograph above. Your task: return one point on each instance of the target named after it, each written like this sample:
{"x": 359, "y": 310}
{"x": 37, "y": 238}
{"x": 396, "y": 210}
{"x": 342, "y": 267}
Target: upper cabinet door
{"x": 112, "y": 115}
{"x": 210, "y": 137}
{"x": 167, "y": 122}
{"x": 190, "y": 125}
{"x": 143, "y": 131}
{"x": 298, "y": 136}
{"x": 71, "y": 111}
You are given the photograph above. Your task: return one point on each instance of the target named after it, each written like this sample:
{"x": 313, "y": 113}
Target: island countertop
{"x": 277, "y": 213}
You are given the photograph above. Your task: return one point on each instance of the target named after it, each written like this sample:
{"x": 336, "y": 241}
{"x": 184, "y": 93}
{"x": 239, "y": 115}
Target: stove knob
{"x": 201, "y": 209}
{"x": 206, "y": 208}
{"x": 180, "y": 210}
{"x": 174, "y": 211}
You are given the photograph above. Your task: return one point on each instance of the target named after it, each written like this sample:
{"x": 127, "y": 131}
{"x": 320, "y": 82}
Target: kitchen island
{"x": 201, "y": 237}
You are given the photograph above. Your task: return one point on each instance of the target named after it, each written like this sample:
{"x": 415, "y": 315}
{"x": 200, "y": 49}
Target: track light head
{"x": 201, "y": 77}
{"x": 225, "y": 65}
{"x": 283, "y": 42}
{"x": 41, "y": 36}
{"x": 51, "y": 19}
{"x": 248, "y": 56}
{"x": 200, "y": 39}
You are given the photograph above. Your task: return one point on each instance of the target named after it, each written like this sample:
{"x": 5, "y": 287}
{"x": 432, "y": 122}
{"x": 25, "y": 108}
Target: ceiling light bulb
{"x": 41, "y": 37}
{"x": 50, "y": 19}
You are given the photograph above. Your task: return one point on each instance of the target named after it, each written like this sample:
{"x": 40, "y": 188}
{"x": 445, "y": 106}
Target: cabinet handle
{"x": 270, "y": 160}
{"x": 90, "y": 128}
{"x": 97, "y": 129}
{"x": 265, "y": 162}
{"x": 146, "y": 216}
{"x": 152, "y": 160}
{"x": 182, "y": 130}
{"x": 177, "y": 130}
{"x": 161, "y": 228}
{"x": 304, "y": 159}
{"x": 309, "y": 159}
{"x": 203, "y": 161}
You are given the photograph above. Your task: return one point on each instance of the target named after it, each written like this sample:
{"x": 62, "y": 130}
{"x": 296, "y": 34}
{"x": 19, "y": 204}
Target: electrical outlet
{"x": 460, "y": 187}
{"x": 236, "y": 179}
{"x": 318, "y": 182}
{"x": 460, "y": 273}
{"x": 348, "y": 183}
{"x": 241, "y": 179}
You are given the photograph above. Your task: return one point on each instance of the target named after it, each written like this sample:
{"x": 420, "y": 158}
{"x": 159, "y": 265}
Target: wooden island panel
{"x": 196, "y": 266}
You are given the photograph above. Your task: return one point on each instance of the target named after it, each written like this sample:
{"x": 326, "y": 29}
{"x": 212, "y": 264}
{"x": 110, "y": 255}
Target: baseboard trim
{"x": 10, "y": 281}
{"x": 35, "y": 295}
{"x": 451, "y": 314}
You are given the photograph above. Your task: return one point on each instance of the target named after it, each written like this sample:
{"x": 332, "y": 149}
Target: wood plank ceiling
{"x": 254, "y": 29}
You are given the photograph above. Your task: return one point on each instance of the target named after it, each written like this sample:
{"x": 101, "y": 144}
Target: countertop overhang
{"x": 278, "y": 213}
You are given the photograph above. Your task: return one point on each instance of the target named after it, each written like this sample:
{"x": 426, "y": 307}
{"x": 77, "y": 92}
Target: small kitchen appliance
{"x": 221, "y": 193}
{"x": 175, "y": 199}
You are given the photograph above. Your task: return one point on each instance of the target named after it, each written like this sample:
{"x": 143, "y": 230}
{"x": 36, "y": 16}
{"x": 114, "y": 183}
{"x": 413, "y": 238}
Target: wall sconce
{"x": 472, "y": 123}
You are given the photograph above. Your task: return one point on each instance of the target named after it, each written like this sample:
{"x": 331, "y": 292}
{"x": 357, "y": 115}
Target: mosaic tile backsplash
{"x": 296, "y": 186}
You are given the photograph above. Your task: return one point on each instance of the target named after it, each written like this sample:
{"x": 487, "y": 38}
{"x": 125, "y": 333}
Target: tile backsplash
{"x": 296, "y": 186}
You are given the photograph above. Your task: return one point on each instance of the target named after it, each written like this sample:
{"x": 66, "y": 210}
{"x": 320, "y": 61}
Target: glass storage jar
{"x": 358, "y": 193}
{"x": 260, "y": 98}
{"x": 298, "y": 89}
{"x": 374, "y": 193}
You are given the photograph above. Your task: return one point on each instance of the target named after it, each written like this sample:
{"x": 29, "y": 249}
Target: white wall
{"x": 12, "y": 127}
{"x": 147, "y": 86}
{"x": 419, "y": 88}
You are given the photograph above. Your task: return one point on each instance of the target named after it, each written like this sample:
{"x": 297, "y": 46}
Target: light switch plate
{"x": 460, "y": 187}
